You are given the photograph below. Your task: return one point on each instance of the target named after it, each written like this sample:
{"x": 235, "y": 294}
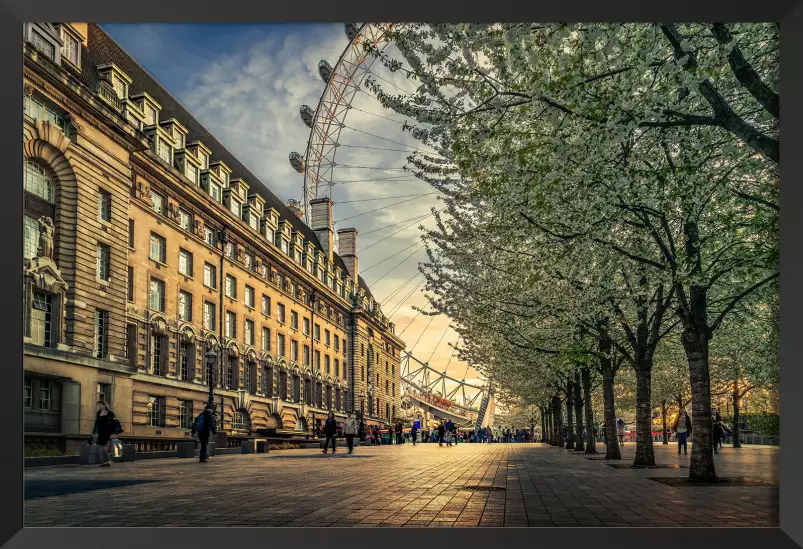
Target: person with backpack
{"x": 413, "y": 433}
{"x": 106, "y": 428}
{"x": 350, "y": 429}
{"x": 204, "y": 426}
{"x": 683, "y": 429}
{"x": 330, "y": 430}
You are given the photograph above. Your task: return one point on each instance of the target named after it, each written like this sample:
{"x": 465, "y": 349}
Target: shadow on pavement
{"x": 45, "y": 488}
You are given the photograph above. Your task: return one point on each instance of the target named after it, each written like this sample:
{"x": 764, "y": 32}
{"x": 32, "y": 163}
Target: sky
{"x": 246, "y": 84}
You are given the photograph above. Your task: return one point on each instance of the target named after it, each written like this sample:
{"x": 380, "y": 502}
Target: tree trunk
{"x": 553, "y": 431}
{"x": 663, "y": 419}
{"x": 591, "y": 447}
{"x": 578, "y": 414}
{"x": 737, "y": 421}
{"x": 645, "y": 454}
{"x": 558, "y": 422}
{"x": 611, "y": 440}
{"x": 570, "y": 415}
{"x": 701, "y": 464}
{"x": 543, "y": 425}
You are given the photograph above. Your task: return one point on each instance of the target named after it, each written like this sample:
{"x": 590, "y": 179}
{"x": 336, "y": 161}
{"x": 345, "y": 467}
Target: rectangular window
{"x": 185, "y": 220}
{"x": 280, "y": 313}
{"x": 101, "y": 333}
{"x": 337, "y": 368}
{"x": 158, "y": 248}
{"x": 157, "y": 203}
{"x": 294, "y": 350}
{"x": 231, "y": 325}
{"x": 231, "y": 251}
{"x": 157, "y": 362}
{"x": 337, "y": 343}
{"x": 192, "y": 174}
{"x": 236, "y": 208}
{"x": 44, "y": 394}
{"x": 266, "y": 339}
{"x": 42, "y": 319}
{"x": 184, "y": 262}
{"x": 306, "y": 355}
{"x": 165, "y": 151}
{"x": 157, "y": 295}
{"x": 317, "y": 360}
{"x": 131, "y": 344}
{"x": 27, "y": 393}
{"x": 327, "y": 337}
{"x": 209, "y": 316}
{"x": 31, "y": 237}
{"x": 210, "y": 237}
{"x": 130, "y": 283}
{"x": 204, "y": 160}
{"x": 266, "y": 305}
{"x": 253, "y": 221}
{"x": 104, "y": 205}
{"x": 249, "y": 296}
{"x": 178, "y": 139}
{"x": 294, "y": 320}
{"x": 280, "y": 344}
{"x": 231, "y": 287}
{"x": 210, "y": 276}
{"x": 184, "y": 306}
{"x": 249, "y": 332}
{"x": 327, "y": 365}
{"x": 70, "y": 49}
{"x": 249, "y": 262}
{"x": 130, "y": 233}
{"x": 43, "y": 45}
{"x": 156, "y": 411}
{"x": 185, "y": 359}
{"x": 185, "y": 414}
{"x": 104, "y": 260}
{"x": 317, "y": 332}
{"x": 306, "y": 326}
{"x": 214, "y": 191}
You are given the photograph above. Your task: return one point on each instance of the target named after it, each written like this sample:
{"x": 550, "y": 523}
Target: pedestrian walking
{"x": 683, "y": 429}
{"x": 717, "y": 431}
{"x": 390, "y": 434}
{"x": 350, "y": 429}
{"x": 203, "y": 426}
{"x": 620, "y": 431}
{"x": 330, "y": 430}
{"x": 441, "y": 432}
{"x": 413, "y": 433}
{"x": 399, "y": 433}
{"x": 106, "y": 428}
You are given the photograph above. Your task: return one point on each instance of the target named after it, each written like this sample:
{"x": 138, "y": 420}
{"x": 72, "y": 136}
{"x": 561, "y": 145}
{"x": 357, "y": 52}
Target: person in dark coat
{"x": 106, "y": 427}
{"x": 717, "y": 431}
{"x": 441, "y": 432}
{"x": 330, "y": 430}
{"x": 683, "y": 429}
{"x": 204, "y": 426}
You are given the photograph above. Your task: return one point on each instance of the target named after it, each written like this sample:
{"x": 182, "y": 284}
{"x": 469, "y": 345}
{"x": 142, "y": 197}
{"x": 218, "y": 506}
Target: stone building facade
{"x": 148, "y": 245}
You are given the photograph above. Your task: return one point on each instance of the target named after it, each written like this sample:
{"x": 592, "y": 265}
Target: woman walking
{"x": 620, "y": 431}
{"x": 683, "y": 429}
{"x": 349, "y": 430}
{"x": 330, "y": 430}
{"x": 106, "y": 428}
{"x": 717, "y": 431}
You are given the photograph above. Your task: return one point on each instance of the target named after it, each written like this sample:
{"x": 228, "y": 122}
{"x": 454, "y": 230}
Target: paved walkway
{"x": 423, "y": 485}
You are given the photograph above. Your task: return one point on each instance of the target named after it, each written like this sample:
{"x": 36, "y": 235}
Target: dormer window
{"x": 120, "y": 87}
{"x": 204, "y": 158}
{"x": 285, "y": 246}
{"x": 253, "y": 221}
{"x": 150, "y": 116}
{"x": 39, "y": 42}
{"x": 192, "y": 173}
{"x": 165, "y": 151}
{"x": 70, "y": 45}
{"x": 235, "y": 207}
{"x": 215, "y": 191}
{"x": 119, "y": 81}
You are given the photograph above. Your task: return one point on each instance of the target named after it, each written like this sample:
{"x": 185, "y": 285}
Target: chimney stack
{"x": 348, "y": 251}
{"x": 321, "y": 222}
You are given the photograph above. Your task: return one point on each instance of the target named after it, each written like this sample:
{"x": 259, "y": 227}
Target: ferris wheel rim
{"x": 318, "y": 124}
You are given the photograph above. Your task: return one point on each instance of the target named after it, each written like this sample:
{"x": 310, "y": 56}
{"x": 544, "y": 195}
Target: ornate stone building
{"x": 147, "y": 243}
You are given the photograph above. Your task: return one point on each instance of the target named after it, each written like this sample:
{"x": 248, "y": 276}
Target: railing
{"x": 109, "y": 96}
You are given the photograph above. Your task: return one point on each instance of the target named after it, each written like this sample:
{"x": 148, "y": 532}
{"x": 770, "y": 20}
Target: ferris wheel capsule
{"x": 307, "y": 115}
{"x": 325, "y": 70}
{"x": 297, "y": 161}
{"x": 351, "y": 30}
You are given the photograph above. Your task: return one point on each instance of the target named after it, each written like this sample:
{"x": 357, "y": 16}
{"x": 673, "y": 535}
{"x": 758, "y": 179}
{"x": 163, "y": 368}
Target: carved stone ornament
{"x": 159, "y": 325}
{"x": 187, "y": 333}
{"x": 45, "y": 275}
{"x": 232, "y": 350}
{"x": 46, "y": 232}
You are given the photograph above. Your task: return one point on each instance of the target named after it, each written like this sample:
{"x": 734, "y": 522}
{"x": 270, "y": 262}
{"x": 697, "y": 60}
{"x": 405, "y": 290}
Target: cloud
{"x": 246, "y": 84}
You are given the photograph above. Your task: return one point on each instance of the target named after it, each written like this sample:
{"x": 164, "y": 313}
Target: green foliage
{"x": 764, "y": 424}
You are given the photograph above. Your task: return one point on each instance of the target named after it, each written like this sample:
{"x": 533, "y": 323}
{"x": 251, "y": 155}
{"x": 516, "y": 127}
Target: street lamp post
{"x": 211, "y": 362}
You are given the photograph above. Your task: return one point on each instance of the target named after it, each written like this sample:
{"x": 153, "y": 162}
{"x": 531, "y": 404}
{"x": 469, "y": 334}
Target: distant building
{"x": 147, "y": 243}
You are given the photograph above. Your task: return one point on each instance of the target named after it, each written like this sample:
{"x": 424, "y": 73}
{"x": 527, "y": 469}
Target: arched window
{"x": 241, "y": 420}
{"x": 37, "y": 181}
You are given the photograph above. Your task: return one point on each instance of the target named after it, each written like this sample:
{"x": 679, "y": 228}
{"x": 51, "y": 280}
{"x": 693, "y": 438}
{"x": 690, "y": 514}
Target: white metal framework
{"x": 342, "y": 82}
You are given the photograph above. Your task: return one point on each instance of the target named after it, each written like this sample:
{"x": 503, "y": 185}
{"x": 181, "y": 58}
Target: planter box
{"x": 262, "y": 447}
{"x": 186, "y": 449}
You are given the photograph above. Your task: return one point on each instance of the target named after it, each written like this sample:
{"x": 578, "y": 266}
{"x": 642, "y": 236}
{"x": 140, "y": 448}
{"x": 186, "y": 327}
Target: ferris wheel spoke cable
{"x": 399, "y": 122}
{"x": 410, "y": 323}
{"x": 379, "y": 168}
{"x": 422, "y": 333}
{"x": 384, "y": 198}
{"x": 391, "y": 140}
{"x": 395, "y": 224}
{"x": 393, "y": 234}
{"x": 402, "y": 301}
{"x": 405, "y": 177}
{"x": 439, "y": 341}
{"x": 362, "y": 271}
{"x": 378, "y": 209}
{"x": 397, "y": 265}
{"x": 374, "y": 148}
{"x": 397, "y": 290}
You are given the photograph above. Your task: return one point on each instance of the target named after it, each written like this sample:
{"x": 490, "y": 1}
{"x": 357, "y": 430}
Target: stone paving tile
{"x": 433, "y": 487}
